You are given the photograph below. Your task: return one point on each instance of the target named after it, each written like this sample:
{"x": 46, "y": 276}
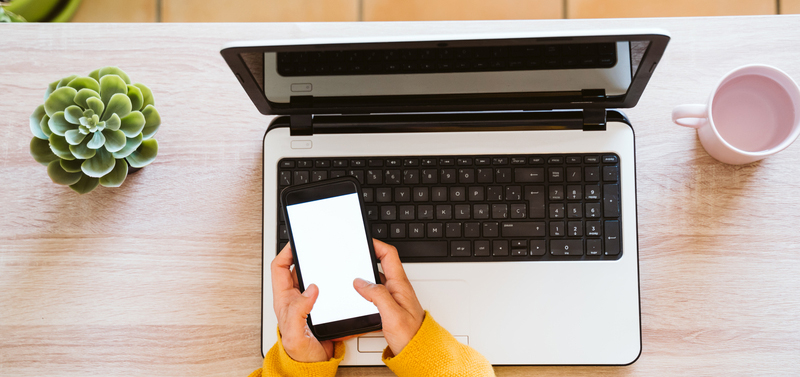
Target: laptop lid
{"x": 533, "y": 71}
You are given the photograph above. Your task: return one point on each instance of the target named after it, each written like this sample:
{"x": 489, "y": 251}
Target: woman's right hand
{"x": 401, "y": 313}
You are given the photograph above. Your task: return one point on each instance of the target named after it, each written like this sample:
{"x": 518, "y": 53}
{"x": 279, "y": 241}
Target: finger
{"x": 279, "y": 269}
{"x": 378, "y": 295}
{"x": 390, "y": 260}
{"x": 294, "y": 278}
{"x": 299, "y": 309}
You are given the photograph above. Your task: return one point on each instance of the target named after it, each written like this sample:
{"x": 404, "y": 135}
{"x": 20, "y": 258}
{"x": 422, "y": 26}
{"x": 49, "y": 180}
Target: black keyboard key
{"x": 406, "y": 213}
{"x": 300, "y": 177}
{"x": 532, "y": 175}
{"x": 611, "y": 237}
{"x": 368, "y": 194}
{"x": 444, "y": 212}
{"x": 318, "y": 176}
{"x": 358, "y": 174}
{"x": 593, "y": 229}
{"x": 435, "y": 230}
{"x": 611, "y": 200}
{"x": 388, "y": 213}
{"x": 458, "y": 194}
{"x": 286, "y": 164}
{"x": 592, "y": 210}
{"x": 490, "y": 229}
{"x": 482, "y": 248}
{"x": 410, "y": 176}
{"x": 374, "y": 177}
{"x": 594, "y": 247}
{"x": 524, "y": 229}
{"x": 609, "y": 159}
{"x": 460, "y": 249}
{"x": 519, "y": 211}
{"x": 566, "y": 247}
{"x": 462, "y": 212}
{"x": 383, "y": 195}
{"x": 592, "y": 192}
{"x": 494, "y": 193}
{"x": 416, "y": 230}
{"x": 430, "y": 176}
{"x": 379, "y": 231}
{"x": 555, "y": 174}
{"x": 480, "y": 211}
{"x": 503, "y": 175}
{"x": 476, "y": 193}
{"x": 575, "y": 228}
{"x": 519, "y": 252}
{"x": 285, "y": 178}
{"x": 537, "y": 247}
{"x": 556, "y": 210}
{"x": 425, "y": 212}
{"x": 452, "y": 230}
{"x": 535, "y": 197}
{"x": 485, "y": 175}
{"x": 397, "y": 231}
{"x": 591, "y": 174}
{"x": 392, "y": 177}
{"x": 500, "y": 248}
{"x": 448, "y": 176}
{"x": 466, "y": 176}
{"x": 500, "y": 211}
{"x": 591, "y": 159}
{"x": 420, "y": 194}
{"x": 556, "y": 192}
{"x": 372, "y": 213}
{"x": 402, "y": 194}
{"x": 610, "y": 173}
{"x": 513, "y": 193}
{"x": 472, "y": 230}
{"x": 415, "y": 249}
{"x": 556, "y": 228}
{"x": 439, "y": 194}
{"x": 574, "y": 174}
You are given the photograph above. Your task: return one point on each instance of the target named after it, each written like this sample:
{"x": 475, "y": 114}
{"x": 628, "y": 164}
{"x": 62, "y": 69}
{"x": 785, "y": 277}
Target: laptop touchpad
{"x": 445, "y": 300}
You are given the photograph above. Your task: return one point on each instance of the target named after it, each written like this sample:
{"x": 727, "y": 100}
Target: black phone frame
{"x": 321, "y": 190}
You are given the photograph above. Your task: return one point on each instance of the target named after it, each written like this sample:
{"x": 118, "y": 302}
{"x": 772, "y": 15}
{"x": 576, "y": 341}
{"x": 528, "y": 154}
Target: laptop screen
{"x": 488, "y": 73}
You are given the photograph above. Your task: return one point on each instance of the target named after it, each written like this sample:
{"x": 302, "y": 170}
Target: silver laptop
{"x": 494, "y": 163}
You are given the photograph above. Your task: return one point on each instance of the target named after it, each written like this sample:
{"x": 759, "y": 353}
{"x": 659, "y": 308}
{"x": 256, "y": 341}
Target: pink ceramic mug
{"x": 753, "y": 112}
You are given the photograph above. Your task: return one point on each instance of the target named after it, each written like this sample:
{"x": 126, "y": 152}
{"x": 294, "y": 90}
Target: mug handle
{"x": 693, "y": 115}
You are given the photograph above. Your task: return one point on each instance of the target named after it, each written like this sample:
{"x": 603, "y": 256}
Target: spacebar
{"x": 413, "y": 249}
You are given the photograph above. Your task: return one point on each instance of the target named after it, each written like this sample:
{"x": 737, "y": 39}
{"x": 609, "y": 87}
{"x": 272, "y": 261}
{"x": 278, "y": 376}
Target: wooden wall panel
{"x": 259, "y": 10}
{"x": 667, "y": 8}
{"x": 790, "y": 6}
{"x": 429, "y": 10}
{"x": 116, "y": 11}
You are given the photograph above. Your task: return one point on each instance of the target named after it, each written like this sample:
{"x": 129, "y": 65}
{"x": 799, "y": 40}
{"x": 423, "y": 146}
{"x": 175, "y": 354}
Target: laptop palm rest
{"x": 445, "y": 300}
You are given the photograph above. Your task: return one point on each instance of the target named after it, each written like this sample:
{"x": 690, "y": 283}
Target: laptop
{"x": 495, "y": 163}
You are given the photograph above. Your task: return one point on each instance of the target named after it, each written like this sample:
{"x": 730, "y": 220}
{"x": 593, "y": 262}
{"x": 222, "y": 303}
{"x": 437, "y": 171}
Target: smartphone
{"x": 332, "y": 245}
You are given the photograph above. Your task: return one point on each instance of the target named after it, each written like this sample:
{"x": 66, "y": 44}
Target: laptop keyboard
{"x": 481, "y": 208}
{"x": 446, "y": 60}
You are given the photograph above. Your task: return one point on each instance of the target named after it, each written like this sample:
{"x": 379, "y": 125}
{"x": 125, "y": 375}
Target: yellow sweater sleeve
{"x": 278, "y": 363}
{"x": 433, "y": 351}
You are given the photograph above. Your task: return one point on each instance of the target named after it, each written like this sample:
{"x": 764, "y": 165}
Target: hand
{"x": 397, "y": 303}
{"x": 292, "y": 308}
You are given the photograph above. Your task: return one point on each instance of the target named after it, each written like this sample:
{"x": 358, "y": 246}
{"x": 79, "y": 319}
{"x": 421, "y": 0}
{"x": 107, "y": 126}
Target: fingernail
{"x": 361, "y": 283}
{"x": 307, "y": 292}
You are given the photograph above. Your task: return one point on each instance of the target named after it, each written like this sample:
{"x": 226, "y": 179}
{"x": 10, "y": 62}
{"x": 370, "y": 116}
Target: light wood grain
{"x": 259, "y": 11}
{"x": 162, "y": 277}
{"x": 437, "y": 10}
{"x": 116, "y": 11}
{"x": 790, "y": 6}
{"x": 667, "y": 8}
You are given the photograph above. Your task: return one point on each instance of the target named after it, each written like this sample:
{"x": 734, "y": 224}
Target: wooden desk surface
{"x": 162, "y": 277}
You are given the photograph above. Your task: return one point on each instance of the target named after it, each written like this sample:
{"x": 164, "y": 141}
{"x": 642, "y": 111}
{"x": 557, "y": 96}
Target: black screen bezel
{"x": 322, "y": 190}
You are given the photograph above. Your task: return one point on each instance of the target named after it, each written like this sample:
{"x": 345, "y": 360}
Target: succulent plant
{"x": 90, "y": 129}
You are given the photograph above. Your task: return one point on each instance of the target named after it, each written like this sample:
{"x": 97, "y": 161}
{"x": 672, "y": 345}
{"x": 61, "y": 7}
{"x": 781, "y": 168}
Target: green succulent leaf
{"x": 59, "y": 125}
{"x": 63, "y": 82}
{"x": 115, "y": 71}
{"x": 85, "y": 184}
{"x": 59, "y": 146}
{"x": 116, "y": 176}
{"x": 96, "y": 105}
{"x": 83, "y": 95}
{"x": 71, "y": 166}
{"x": 132, "y": 124}
{"x": 97, "y": 140}
{"x": 81, "y": 150}
{"x": 35, "y": 120}
{"x": 111, "y": 85}
{"x": 113, "y": 123}
{"x": 115, "y": 140}
{"x": 40, "y": 150}
{"x": 152, "y": 121}
{"x": 73, "y": 114}
{"x": 59, "y": 100}
{"x": 44, "y": 125}
{"x": 147, "y": 94}
{"x": 137, "y": 99}
{"x": 144, "y": 155}
{"x": 119, "y": 104}
{"x": 51, "y": 88}
{"x": 74, "y": 137}
{"x": 95, "y": 74}
{"x": 61, "y": 176}
{"x": 130, "y": 145}
{"x": 99, "y": 165}
{"x": 84, "y": 82}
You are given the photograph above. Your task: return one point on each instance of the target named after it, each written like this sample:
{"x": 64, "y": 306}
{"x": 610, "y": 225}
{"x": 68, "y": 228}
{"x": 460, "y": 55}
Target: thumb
{"x": 306, "y": 302}
{"x": 376, "y": 294}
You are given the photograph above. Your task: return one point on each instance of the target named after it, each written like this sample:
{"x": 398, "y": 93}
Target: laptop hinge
{"x": 594, "y": 119}
{"x": 301, "y": 125}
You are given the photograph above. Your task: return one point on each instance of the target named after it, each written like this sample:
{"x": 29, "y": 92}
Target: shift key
{"x": 524, "y": 229}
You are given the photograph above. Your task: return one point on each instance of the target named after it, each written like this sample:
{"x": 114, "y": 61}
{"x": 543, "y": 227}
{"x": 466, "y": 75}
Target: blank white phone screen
{"x": 332, "y": 250}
